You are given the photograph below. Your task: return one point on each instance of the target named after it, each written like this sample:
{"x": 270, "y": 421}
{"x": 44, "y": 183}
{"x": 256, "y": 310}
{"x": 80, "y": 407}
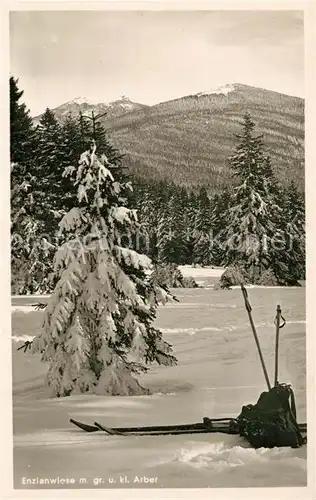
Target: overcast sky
{"x": 153, "y": 56}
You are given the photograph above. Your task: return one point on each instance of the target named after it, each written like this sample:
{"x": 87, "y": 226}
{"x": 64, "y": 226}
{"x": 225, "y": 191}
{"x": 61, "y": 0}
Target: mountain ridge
{"x": 86, "y": 106}
{"x": 187, "y": 140}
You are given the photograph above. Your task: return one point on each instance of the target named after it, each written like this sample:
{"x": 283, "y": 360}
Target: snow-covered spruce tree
{"x": 71, "y": 145}
{"x": 50, "y": 163}
{"x": 28, "y": 248}
{"x": 184, "y": 214}
{"x": 293, "y": 224}
{"x": 97, "y": 327}
{"x": 22, "y": 132}
{"x": 191, "y": 214}
{"x": 31, "y": 252}
{"x": 172, "y": 230}
{"x": 220, "y": 205}
{"x": 164, "y": 236}
{"x": 252, "y": 221}
{"x": 202, "y": 250}
{"x": 146, "y": 202}
{"x": 178, "y": 228}
{"x": 93, "y": 130}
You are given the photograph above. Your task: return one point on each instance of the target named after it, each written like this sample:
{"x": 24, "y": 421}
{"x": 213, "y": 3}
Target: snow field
{"x": 218, "y": 371}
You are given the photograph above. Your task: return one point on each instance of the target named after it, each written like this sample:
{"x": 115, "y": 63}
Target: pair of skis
{"x": 216, "y": 425}
{"x": 222, "y": 425}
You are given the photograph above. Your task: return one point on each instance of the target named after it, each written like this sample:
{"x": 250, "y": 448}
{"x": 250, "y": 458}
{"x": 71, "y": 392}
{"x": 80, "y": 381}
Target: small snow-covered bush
{"x": 169, "y": 275}
{"x": 267, "y": 278}
{"x": 233, "y": 275}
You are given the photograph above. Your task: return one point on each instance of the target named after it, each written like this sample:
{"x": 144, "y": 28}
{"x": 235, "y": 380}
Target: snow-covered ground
{"x": 204, "y": 276}
{"x": 202, "y": 272}
{"x": 218, "y": 372}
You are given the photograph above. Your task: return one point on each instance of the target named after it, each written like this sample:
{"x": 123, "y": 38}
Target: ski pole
{"x": 249, "y": 309}
{"x": 278, "y": 326}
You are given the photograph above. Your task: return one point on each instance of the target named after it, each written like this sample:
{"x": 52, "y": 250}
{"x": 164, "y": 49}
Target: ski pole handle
{"x": 278, "y": 327}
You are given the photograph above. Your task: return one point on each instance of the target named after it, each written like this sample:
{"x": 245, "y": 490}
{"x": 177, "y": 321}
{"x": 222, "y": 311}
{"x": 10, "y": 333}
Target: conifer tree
{"x": 163, "y": 223}
{"x": 92, "y": 129}
{"x": 71, "y": 146}
{"x": 164, "y": 236}
{"x": 294, "y": 207}
{"x": 73, "y": 142}
{"x": 292, "y": 221}
{"x": 184, "y": 209}
{"x": 97, "y": 328}
{"x": 171, "y": 227}
{"x": 30, "y": 248}
{"x": 202, "y": 250}
{"x": 147, "y": 204}
{"x": 252, "y": 220}
{"x": 22, "y": 133}
{"x": 177, "y": 228}
{"x": 50, "y": 163}
{"x": 22, "y": 142}
{"x": 220, "y": 205}
{"x": 192, "y": 210}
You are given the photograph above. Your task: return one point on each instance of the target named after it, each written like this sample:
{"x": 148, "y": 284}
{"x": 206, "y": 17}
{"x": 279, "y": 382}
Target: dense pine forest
{"x": 257, "y": 223}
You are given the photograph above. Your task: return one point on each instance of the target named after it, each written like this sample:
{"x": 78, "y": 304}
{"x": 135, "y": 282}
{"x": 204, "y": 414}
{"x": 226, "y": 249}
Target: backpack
{"x": 272, "y": 421}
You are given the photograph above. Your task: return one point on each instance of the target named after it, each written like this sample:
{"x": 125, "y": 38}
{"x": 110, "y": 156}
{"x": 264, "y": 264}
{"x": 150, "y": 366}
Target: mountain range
{"x": 86, "y": 106}
{"x": 188, "y": 140}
